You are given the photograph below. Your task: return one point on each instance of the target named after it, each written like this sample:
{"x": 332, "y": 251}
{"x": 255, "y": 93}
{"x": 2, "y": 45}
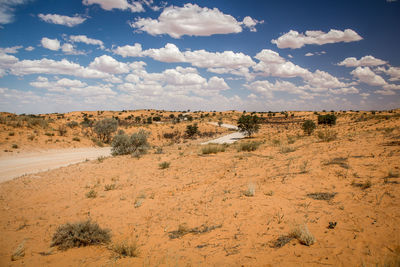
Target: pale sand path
{"x": 17, "y": 165}
{"x": 27, "y": 163}
{"x": 226, "y": 139}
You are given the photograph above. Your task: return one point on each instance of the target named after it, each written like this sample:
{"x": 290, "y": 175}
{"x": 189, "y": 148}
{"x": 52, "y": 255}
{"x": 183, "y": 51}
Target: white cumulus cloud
{"x": 62, "y": 20}
{"x": 364, "y": 61}
{"x": 109, "y": 65}
{"x": 133, "y": 6}
{"x": 86, "y": 40}
{"x": 192, "y": 20}
{"x": 294, "y": 39}
{"x": 52, "y": 44}
{"x": 366, "y": 75}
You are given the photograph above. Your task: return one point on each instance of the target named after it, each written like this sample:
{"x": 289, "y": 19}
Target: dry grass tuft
{"x": 183, "y": 229}
{"x": 126, "y": 249}
{"x": 322, "y": 195}
{"x": 301, "y": 233}
{"x": 212, "y": 149}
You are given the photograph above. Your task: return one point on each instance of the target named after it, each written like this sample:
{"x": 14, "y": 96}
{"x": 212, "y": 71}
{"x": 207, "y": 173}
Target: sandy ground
{"x": 241, "y": 201}
{"x": 226, "y": 139}
{"x": 26, "y": 163}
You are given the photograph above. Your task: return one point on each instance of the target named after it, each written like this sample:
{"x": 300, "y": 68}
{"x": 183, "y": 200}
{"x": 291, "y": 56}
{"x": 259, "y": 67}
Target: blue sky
{"x": 60, "y": 56}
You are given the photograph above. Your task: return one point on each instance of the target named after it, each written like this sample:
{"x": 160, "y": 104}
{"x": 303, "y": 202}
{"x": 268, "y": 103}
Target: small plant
{"x": 77, "y": 139}
{"x": 212, "y": 149}
{"x": 79, "y": 234}
{"x": 301, "y": 233}
{"x": 109, "y": 187}
{"x": 49, "y": 134}
{"x": 327, "y": 135}
{"x": 11, "y": 134}
{"x": 308, "y": 127}
{"x": 72, "y": 124}
{"x": 248, "y": 146}
{"x": 363, "y": 186}
{"x": 159, "y": 150}
{"x": 303, "y": 167}
{"x": 126, "y": 249}
{"x": 164, "y": 165}
{"x": 287, "y": 149}
{"x": 15, "y": 146}
{"x": 91, "y": 194}
{"x": 322, "y": 196}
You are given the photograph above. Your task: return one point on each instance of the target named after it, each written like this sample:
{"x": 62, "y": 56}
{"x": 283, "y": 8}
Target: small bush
{"x": 15, "y": 146}
{"x": 328, "y": 119}
{"x": 212, "y": 149}
{"x": 91, "y": 194}
{"x": 164, "y": 165}
{"x": 62, "y": 130}
{"x": 105, "y": 128}
{"x": 72, "y": 124}
{"x": 79, "y": 235}
{"x": 11, "y": 134}
{"x": 327, "y": 135}
{"x": 308, "y": 127}
{"x": 251, "y": 190}
{"x": 49, "y": 134}
{"x": 248, "y": 146}
{"x": 136, "y": 144}
{"x": 126, "y": 250}
{"x": 192, "y": 130}
{"x": 76, "y": 139}
{"x": 109, "y": 187}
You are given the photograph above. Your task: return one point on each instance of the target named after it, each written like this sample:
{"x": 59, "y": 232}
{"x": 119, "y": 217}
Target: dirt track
{"x": 14, "y": 166}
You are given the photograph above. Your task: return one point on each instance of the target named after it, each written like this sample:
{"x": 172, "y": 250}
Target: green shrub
{"x": 136, "y": 144}
{"x": 248, "y": 146}
{"x": 72, "y": 124}
{"x": 164, "y": 165}
{"x": 328, "y": 119}
{"x": 212, "y": 149}
{"x": 308, "y": 127}
{"x": 192, "y": 130}
{"x": 79, "y": 234}
{"x": 105, "y": 128}
{"x": 91, "y": 194}
{"x": 249, "y": 124}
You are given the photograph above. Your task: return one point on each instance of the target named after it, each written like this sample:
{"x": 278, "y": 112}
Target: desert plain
{"x": 183, "y": 205}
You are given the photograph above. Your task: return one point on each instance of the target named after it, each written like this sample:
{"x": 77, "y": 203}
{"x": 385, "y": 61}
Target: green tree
{"x": 328, "y": 119}
{"x": 105, "y": 128}
{"x": 249, "y": 124}
{"x": 308, "y": 127}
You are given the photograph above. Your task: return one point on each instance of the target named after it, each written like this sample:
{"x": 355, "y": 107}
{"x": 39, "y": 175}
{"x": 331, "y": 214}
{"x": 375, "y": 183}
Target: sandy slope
{"x": 17, "y": 165}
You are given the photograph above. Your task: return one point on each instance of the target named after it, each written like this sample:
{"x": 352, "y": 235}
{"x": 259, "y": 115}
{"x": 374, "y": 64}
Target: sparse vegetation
{"x": 79, "y": 234}
{"x": 327, "y": 135}
{"x": 248, "y": 146}
{"x": 212, "y": 149}
{"x": 183, "y": 229}
{"x": 192, "y": 130}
